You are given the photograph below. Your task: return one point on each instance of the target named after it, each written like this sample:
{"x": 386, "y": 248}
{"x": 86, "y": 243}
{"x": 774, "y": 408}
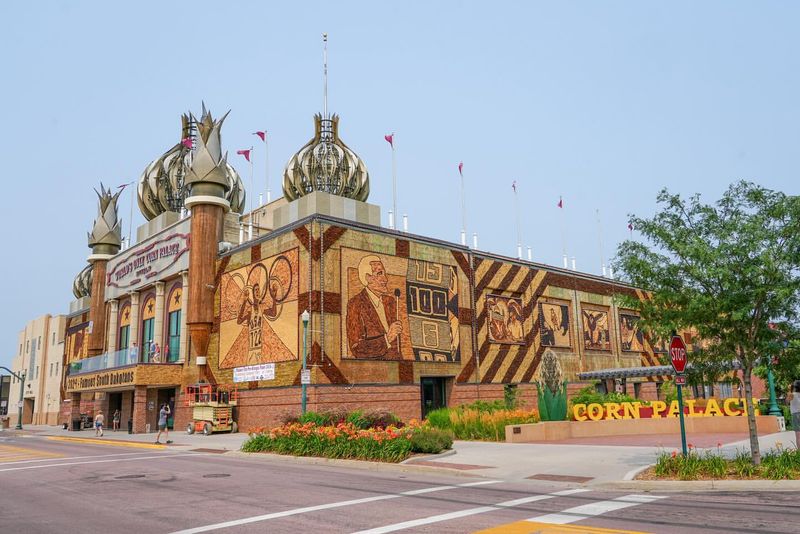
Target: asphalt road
{"x": 50, "y": 485}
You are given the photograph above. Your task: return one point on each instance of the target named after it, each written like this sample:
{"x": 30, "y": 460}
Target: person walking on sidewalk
{"x": 163, "y": 414}
{"x": 794, "y": 408}
{"x": 99, "y": 419}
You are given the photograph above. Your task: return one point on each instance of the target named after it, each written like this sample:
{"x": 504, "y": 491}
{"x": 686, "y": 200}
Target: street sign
{"x": 680, "y": 380}
{"x": 677, "y": 353}
{"x": 305, "y": 376}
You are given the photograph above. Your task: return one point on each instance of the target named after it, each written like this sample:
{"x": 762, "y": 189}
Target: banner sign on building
{"x": 159, "y": 257}
{"x": 120, "y": 377}
{"x": 251, "y": 373}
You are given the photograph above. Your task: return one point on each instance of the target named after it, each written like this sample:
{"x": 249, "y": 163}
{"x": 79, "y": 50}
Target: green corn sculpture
{"x": 552, "y": 389}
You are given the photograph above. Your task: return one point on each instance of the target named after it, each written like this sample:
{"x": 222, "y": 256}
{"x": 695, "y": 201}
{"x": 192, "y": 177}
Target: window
{"x": 51, "y": 370}
{"x": 27, "y": 345}
{"x": 54, "y": 339}
{"x": 20, "y": 349}
{"x": 37, "y": 372}
{"x": 174, "y": 341}
{"x": 148, "y": 328}
{"x": 725, "y": 390}
{"x": 172, "y": 346}
{"x": 39, "y": 345}
{"x": 124, "y": 337}
{"x": 56, "y": 368}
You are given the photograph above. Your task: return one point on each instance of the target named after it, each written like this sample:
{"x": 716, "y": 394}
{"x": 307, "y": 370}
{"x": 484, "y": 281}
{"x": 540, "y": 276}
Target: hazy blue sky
{"x": 604, "y": 103}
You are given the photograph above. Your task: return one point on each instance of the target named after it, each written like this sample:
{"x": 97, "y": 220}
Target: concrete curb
{"x": 429, "y": 458}
{"x": 356, "y": 464}
{"x": 701, "y": 485}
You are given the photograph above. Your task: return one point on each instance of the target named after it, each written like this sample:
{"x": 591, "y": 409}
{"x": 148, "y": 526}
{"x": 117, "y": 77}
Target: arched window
{"x": 148, "y": 328}
{"x": 173, "y": 344}
{"x": 124, "y": 321}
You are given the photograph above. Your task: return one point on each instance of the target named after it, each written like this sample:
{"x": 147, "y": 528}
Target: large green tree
{"x": 726, "y": 270}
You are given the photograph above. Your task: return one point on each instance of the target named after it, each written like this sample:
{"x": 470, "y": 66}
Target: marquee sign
{"x": 731, "y": 407}
{"x": 105, "y": 379}
{"x": 163, "y": 255}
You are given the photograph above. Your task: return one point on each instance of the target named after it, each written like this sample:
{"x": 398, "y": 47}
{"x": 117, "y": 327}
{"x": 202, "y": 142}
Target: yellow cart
{"x": 212, "y": 408}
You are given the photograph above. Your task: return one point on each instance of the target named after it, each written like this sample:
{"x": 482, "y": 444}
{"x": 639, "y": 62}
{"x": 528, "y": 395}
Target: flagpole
{"x": 253, "y": 189}
{"x": 463, "y": 208}
{"x": 519, "y": 229}
{"x": 266, "y": 167}
{"x": 394, "y": 180}
{"x": 130, "y": 221}
{"x": 600, "y": 242}
{"x": 563, "y": 231}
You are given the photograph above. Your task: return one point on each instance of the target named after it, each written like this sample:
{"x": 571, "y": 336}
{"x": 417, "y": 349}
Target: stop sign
{"x": 677, "y": 353}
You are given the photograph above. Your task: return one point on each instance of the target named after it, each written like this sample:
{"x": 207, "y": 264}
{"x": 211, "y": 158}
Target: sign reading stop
{"x": 677, "y": 353}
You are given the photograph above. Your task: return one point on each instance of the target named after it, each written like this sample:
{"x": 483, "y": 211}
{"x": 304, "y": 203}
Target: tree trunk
{"x": 755, "y": 452}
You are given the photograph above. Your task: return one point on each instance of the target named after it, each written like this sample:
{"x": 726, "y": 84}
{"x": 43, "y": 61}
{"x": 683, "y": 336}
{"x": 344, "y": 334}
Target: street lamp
{"x": 21, "y": 378}
{"x": 305, "y": 316}
{"x": 773, "y": 402}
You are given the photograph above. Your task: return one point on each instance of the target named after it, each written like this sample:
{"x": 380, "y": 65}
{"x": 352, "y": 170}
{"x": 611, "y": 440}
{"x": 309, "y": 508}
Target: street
{"x": 50, "y": 484}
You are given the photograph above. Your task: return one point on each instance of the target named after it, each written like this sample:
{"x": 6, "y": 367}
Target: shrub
{"x": 429, "y": 440}
{"x": 470, "y": 423}
{"x": 589, "y": 395}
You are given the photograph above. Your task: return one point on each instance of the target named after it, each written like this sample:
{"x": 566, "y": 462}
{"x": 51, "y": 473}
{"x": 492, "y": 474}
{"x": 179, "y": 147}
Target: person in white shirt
{"x": 794, "y": 408}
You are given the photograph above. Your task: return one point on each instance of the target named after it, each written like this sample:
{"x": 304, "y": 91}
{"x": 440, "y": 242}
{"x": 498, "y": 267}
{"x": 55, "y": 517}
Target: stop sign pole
{"x": 678, "y": 356}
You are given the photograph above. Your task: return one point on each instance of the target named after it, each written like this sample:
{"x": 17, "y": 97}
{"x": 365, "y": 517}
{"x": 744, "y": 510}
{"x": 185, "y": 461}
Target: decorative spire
{"x": 106, "y": 234}
{"x": 163, "y": 185}
{"x": 209, "y": 165}
{"x": 325, "y": 163}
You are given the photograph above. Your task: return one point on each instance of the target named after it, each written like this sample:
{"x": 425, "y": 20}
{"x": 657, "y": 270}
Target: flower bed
{"x": 480, "y": 422}
{"x": 346, "y": 440}
{"x": 709, "y": 465}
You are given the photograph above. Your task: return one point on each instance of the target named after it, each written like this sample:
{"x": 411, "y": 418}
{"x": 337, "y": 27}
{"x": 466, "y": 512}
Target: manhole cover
{"x": 122, "y": 477}
{"x": 216, "y": 475}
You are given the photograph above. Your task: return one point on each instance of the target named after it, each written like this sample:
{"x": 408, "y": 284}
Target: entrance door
{"x": 27, "y": 411}
{"x": 167, "y": 396}
{"x": 434, "y": 394}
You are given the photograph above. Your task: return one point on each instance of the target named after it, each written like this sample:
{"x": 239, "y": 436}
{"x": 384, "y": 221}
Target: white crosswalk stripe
{"x": 585, "y": 511}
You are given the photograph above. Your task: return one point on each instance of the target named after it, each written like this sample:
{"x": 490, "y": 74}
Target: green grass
{"x": 783, "y": 464}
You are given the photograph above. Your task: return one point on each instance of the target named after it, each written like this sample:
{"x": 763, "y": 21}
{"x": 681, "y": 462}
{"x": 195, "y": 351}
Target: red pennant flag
{"x": 560, "y": 202}
{"x": 514, "y": 186}
{"x": 630, "y": 227}
{"x": 262, "y": 135}
{"x": 123, "y": 186}
{"x": 460, "y": 169}
{"x": 245, "y": 153}
{"x": 390, "y": 139}
{"x": 187, "y": 142}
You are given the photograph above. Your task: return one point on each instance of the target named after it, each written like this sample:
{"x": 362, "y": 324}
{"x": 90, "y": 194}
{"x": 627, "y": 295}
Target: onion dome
{"x": 163, "y": 185}
{"x": 82, "y": 286}
{"x": 326, "y": 164}
{"x": 106, "y": 234}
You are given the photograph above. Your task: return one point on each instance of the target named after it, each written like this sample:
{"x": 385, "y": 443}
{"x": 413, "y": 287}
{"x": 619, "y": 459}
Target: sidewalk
{"x": 574, "y": 463}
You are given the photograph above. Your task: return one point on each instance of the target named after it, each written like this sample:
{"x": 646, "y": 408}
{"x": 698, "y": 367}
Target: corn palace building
{"x": 395, "y": 321}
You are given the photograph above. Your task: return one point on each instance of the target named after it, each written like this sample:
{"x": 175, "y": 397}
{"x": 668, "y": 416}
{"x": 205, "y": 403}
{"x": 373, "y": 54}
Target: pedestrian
{"x": 115, "y": 420}
{"x": 163, "y": 414}
{"x": 99, "y": 419}
{"x": 794, "y": 408}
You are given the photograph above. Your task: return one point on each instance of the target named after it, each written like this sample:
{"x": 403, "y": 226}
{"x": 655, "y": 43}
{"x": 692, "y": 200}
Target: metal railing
{"x": 113, "y": 360}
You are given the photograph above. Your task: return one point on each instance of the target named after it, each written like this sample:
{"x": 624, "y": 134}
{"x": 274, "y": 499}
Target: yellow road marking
{"x": 10, "y": 454}
{"x": 99, "y": 441}
{"x": 530, "y": 527}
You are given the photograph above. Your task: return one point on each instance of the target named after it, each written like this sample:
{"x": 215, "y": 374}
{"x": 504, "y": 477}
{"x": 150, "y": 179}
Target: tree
{"x": 727, "y": 270}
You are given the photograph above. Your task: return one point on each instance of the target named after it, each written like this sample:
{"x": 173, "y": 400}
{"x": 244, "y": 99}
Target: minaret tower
{"x": 105, "y": 240}
{"x": 208, "y": 185}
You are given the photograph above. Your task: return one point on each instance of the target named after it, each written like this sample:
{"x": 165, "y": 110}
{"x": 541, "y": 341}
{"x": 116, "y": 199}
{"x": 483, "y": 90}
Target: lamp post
{"x": 21, "y": 378}
{"x": 305, "y": 316}
{"x": 773, "y": 403}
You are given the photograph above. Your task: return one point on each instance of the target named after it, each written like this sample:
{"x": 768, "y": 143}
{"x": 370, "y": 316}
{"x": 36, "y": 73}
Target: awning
{"x": 628, "y": 372}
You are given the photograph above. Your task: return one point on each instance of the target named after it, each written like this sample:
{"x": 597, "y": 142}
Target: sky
{"x": 600, "y": 103}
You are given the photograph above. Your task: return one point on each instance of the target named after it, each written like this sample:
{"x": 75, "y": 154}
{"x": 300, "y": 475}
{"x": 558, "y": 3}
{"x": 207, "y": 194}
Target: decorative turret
{"x": 82, "y": 285}
{"x": 325, "y": 163}
{"x": 105, "y": 238}
{"x": 207, "y": 178}
{"x": 164, "y": 185}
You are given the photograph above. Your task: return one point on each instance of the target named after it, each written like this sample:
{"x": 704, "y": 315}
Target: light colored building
{"x": 40, "y": 353}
